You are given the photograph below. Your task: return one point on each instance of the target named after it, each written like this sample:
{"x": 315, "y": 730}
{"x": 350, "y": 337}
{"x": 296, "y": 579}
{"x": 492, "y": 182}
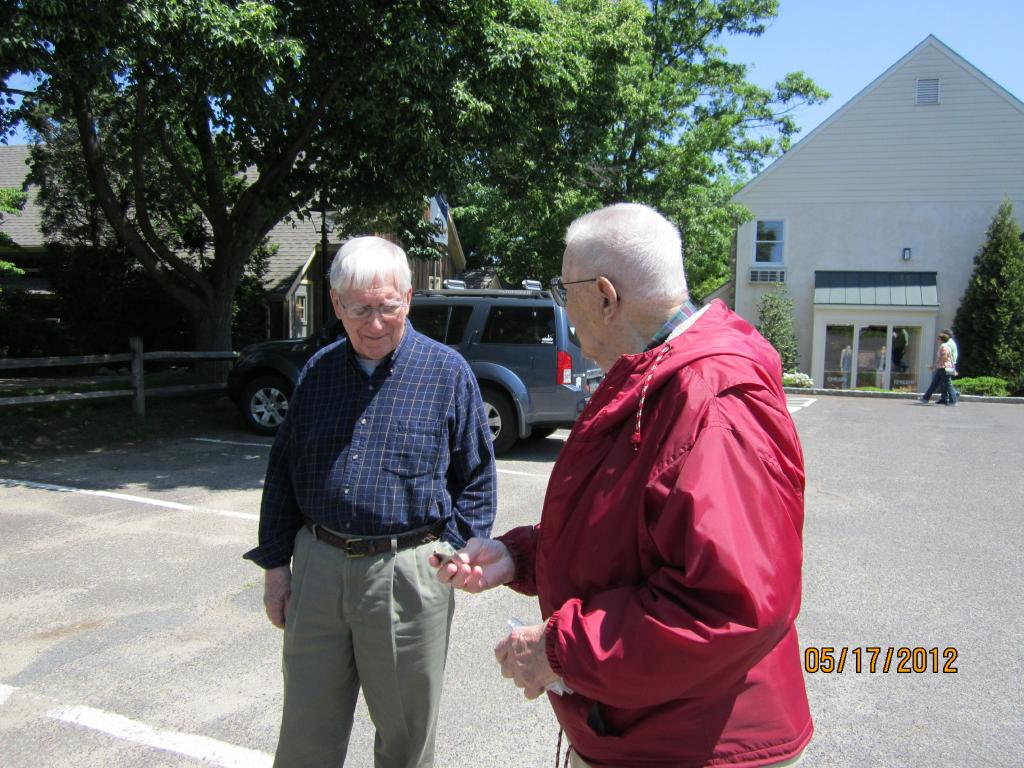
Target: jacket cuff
{"x": 551, "y": 643}
{"x": 521, "y": 543}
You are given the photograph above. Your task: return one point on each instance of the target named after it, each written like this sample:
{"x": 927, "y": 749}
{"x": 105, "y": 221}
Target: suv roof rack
{"x": 469, "y": 292}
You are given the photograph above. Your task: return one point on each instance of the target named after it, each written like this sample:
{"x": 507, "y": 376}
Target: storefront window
{"x": 838, "y": 356}
{"x": 872, "y": 356}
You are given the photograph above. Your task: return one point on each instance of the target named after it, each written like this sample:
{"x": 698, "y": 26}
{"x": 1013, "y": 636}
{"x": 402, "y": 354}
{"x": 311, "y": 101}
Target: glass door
{"x": 905, "y": 345}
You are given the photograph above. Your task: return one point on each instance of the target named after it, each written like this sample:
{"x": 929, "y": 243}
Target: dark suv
{"x": 532, "y": 375}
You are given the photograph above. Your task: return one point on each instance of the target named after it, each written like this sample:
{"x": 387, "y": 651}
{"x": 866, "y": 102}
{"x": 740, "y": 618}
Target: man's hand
{"x": 482, "y": 564}
{"x": 277, "y": 591}
{"x": 523, "y": 657}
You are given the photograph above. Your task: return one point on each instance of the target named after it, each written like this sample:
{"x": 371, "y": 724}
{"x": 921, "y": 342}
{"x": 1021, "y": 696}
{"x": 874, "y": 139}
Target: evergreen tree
{"x": 989, "y": 324}
{"x": 775, "y": 322}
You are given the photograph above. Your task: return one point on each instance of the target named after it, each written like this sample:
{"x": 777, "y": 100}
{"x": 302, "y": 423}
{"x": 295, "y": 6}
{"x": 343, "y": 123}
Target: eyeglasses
{"x": 558, "y": 291}
{"x": 389, "y": 310}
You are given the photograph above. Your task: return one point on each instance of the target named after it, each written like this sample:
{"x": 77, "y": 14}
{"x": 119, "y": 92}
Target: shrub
{"x": 797, "y": 379}
{"x": 989, "y": 386}
{"x": 775, "y": 323}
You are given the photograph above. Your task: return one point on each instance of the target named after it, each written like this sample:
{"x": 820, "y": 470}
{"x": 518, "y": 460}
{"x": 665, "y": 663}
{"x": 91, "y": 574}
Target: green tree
{"x": 203, "y": 123}
{"x": 989, "y": 324}
{"x": 775, "y": 323}
{"x": 74, "y": 224}
{"x": 11, "y": 201}
{"x": 662, "y": 117}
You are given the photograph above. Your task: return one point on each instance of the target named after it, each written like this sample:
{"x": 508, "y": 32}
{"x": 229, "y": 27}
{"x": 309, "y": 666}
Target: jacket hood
{"x": 633, "y": 379}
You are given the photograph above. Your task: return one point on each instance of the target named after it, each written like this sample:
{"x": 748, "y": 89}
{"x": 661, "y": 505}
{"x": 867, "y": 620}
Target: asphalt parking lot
{"x": 134, "y": 634}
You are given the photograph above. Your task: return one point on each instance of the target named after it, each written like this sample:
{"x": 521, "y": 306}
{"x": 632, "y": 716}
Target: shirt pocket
{"x": 411, "y": 447}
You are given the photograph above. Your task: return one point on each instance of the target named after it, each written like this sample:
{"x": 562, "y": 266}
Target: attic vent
{"x": 928, "y": 91}
{"x": 767, "y": 275}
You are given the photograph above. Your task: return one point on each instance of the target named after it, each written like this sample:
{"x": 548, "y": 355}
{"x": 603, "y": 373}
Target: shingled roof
{"x": 296, "y": 243}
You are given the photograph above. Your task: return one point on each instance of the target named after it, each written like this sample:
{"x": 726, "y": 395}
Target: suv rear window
{"x": 519, "y": 325}
{"x": 444, "y": 324}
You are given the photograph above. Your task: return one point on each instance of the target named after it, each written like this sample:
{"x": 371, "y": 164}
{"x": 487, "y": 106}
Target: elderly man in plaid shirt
{"x": 384, "y": 458}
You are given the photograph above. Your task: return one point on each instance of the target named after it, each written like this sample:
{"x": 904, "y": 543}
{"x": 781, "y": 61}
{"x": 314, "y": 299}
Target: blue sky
{"x": 844, "y": 46}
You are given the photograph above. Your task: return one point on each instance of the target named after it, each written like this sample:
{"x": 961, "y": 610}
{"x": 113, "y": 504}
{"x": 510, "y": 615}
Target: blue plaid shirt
{"x": 379, "y": 455}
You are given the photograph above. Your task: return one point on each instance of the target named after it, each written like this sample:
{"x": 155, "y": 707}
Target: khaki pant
{"x": 378, "y": 623}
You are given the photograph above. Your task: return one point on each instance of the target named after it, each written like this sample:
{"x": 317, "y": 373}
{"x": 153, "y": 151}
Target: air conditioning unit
{"x": 767, "y": 275}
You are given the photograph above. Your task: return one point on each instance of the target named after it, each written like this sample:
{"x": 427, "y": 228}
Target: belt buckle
{"x": 349, "y": 552}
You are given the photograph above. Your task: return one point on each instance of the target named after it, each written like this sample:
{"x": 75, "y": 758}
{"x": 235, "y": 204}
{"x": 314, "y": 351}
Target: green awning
{"x": 900, "y": 289}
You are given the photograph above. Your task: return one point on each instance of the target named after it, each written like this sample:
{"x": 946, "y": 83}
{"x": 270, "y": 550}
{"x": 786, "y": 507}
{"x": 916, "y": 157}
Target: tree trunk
{"x": 211, "y": 328}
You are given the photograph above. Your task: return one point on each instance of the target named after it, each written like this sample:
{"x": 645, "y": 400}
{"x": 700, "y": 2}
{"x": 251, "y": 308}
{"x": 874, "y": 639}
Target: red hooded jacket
{"x": 667, "y": 560}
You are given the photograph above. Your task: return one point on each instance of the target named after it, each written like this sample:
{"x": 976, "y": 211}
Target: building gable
{"x": 967, "y": 144}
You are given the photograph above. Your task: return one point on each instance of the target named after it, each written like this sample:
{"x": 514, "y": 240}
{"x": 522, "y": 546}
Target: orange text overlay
{"x": 874, "y": 658}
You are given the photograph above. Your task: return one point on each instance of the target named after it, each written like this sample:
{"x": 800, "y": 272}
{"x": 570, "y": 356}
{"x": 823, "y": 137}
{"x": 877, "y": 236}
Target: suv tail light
{"x": 563, "y": 368}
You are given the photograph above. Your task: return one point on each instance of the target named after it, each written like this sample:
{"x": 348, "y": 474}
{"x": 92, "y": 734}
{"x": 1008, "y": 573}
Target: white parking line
{"x": 231, "y": 442}
{"x": 521, "y": 474}
{"x": 794, "y": 404}
{"x": 200, "y": 747}
{"x": 127, "y": 497}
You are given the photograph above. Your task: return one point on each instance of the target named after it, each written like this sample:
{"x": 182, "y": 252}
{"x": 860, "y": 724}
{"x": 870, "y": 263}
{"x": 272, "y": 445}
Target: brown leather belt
{"x": 367, "y": 546}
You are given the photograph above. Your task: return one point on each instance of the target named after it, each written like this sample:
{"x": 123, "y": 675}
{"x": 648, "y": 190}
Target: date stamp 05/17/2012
{"x": 874, "y": 658}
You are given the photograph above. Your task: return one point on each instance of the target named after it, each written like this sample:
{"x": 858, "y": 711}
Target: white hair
{"x": 635, "y": 247}
{"x": 363, "y": 260}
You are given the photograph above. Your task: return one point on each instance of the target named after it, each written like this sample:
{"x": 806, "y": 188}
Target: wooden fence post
{"x": 138, "y": 384}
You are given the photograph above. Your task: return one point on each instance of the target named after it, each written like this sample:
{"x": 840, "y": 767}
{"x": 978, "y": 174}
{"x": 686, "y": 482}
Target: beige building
{"x": 874, "y": 218}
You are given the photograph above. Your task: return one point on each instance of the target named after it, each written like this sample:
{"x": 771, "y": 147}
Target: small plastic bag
{"x": 558, "y": 686}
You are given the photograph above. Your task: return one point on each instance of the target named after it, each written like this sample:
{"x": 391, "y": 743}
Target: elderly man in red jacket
{"x": 668, "y": 557}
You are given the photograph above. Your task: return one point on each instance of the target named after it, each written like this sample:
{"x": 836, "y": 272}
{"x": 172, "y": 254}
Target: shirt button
{"x": 355, "y": 457}
{"x": 348, "y": 525}
{"x": 347, "y": 490}
{"x": 362, "y": 421}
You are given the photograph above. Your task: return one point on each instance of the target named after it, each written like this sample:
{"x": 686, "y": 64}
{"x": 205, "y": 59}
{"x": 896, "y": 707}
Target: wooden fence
{"x": 135, "y": 356}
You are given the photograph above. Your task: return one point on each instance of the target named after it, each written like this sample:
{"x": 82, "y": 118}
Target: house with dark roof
{"x": 297, "y": 292}
{"x": 872, "y": 221}
{"x": 297, "y": 275}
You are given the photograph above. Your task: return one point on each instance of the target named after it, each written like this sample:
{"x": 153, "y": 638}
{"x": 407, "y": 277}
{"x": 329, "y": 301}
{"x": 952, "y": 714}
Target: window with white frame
{"x": 769, "y": 241}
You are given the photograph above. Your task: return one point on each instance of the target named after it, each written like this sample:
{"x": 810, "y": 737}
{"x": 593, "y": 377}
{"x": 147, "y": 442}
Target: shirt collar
{"x": 392, "y": 361}
{"x": 679, "y": 317}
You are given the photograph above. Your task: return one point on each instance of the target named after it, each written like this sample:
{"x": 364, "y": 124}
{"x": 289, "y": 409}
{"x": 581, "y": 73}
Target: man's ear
{"x": 336, "y": 303}
{"x": 609, "y": 297}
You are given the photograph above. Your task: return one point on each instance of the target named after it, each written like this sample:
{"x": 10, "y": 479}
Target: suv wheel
{"x": 264, "y": 403}
{"x": 501, "y": 419}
